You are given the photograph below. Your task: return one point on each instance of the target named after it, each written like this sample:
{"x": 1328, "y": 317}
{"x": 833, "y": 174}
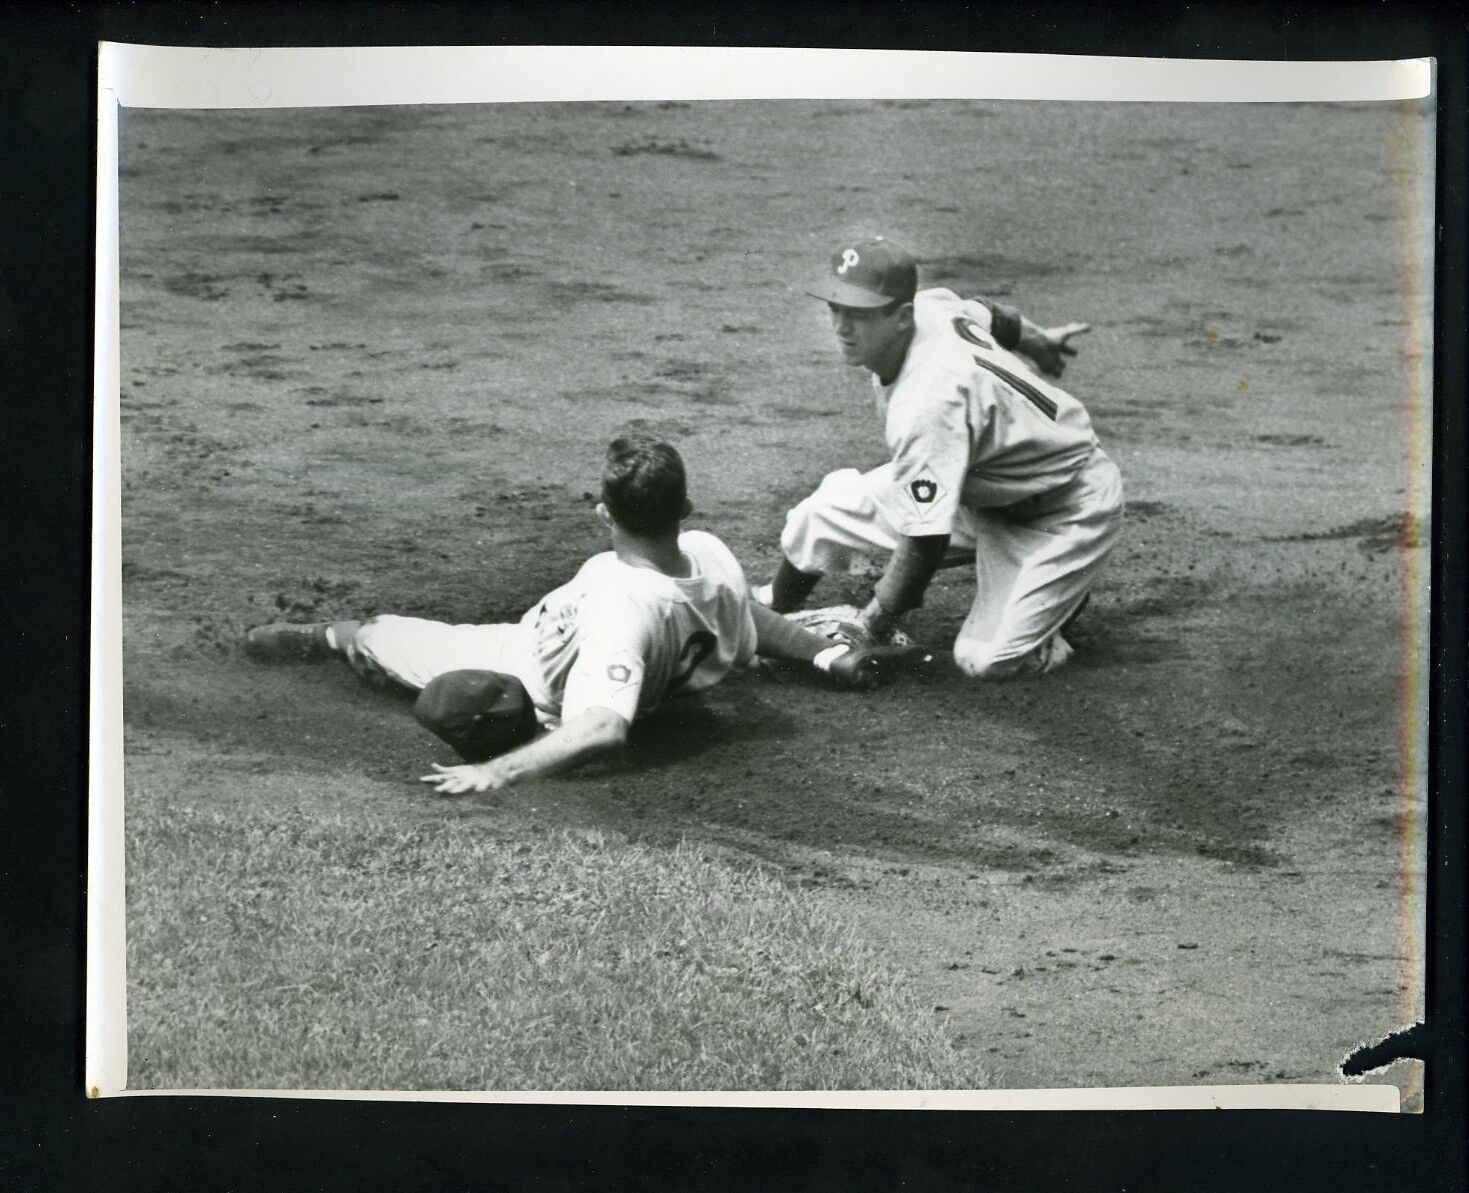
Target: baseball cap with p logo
{"x": 868, "y": 273}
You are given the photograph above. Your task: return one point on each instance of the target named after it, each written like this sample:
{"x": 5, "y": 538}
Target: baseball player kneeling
{"x": 662, "y": 614}
{"x": 989, "y": 462}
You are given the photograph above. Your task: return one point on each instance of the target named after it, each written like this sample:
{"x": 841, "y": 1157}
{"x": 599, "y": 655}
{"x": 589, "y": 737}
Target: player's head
{"x": 868, "y": 287}
{"x": 867, "y": 274}
{"x": 644, "y": 489}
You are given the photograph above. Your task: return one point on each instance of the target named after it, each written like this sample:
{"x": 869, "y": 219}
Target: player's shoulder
{"x": 943, "y": 297}
{"x": 949, "y": 332}
{"x": 595, "y": 567}
{"x": 702, "y": 542}
{"x": 939, "y": 358}
{"x": 710, "y": 551}
{"x": 938, "y": 308}
{"x": 951, "y": 323}
{"x": 605, "y": 579}
{"x": 935, "y": 296}
{"x": 617, "y": 605}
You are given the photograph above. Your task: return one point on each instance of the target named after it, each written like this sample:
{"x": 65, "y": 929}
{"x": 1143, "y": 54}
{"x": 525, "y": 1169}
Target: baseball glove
{"x": 866, "y": 667}
{"x": 842, "y": 623}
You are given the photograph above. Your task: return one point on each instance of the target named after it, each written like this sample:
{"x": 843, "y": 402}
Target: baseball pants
{"x": 1034, "y": 561}
{"x": 414, "y": 651}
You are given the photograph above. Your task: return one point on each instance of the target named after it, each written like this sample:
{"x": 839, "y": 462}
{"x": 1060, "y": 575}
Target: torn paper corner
{"x": 1406, "y": 1073}
{"x": 1390, "y": 1061}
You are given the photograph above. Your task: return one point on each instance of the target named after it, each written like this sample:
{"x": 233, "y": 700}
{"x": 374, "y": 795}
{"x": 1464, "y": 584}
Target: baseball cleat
{"x": 289, "y": 642}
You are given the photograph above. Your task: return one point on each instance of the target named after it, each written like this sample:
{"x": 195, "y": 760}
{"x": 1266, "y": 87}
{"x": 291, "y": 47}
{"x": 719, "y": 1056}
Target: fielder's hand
{"x": 460, "y": 780}
{"x": 844, "y": 623}
{"x": 1054, "y": 346}
{"x": 854, "y": 633}
{"x": 866, "y": 667}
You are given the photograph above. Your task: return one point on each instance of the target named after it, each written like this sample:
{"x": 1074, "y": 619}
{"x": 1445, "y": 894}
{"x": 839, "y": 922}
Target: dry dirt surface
{"x": 369, "y": 362}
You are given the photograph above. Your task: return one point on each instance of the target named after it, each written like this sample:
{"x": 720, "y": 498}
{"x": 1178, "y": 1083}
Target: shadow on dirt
{"x": 1151, "y": 741}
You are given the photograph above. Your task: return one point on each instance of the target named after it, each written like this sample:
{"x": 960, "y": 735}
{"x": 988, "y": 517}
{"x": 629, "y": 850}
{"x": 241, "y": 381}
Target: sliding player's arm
{"x": 849, "y": 665}
{"x": 598, "y": 704}
{"x": 593, "y": 732}
{"x": 778, "y": 637}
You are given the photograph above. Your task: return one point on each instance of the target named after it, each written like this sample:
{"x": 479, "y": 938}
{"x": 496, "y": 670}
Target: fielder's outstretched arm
{"x": 596, "y": 731}
{"x": 1049, "y": 346}
{"x": 1046, "y": 346}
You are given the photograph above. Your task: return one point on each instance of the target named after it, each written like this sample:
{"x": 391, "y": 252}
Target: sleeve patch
{"x": 924, "y": 490}
{"x": 621, "y": 671}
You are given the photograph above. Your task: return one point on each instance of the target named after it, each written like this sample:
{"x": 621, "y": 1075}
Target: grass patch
{"x": 271, "y": 950}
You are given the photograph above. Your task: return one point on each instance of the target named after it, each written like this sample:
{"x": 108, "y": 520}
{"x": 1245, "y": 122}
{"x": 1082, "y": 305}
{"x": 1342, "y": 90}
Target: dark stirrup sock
{"x": 791, "y": 587}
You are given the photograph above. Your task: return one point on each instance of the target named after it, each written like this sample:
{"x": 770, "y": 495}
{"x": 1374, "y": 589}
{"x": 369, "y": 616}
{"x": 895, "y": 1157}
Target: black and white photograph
{"x": 894, "y": 593}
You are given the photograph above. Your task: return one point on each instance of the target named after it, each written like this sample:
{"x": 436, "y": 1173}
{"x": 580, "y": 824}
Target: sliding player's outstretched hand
{"x": 866, "y": 667}
{"x": 461, "y": 780}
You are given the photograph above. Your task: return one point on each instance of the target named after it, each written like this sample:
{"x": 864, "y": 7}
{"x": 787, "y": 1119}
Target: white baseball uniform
{"x": 987, "y": 452}
{"x": 615, "y": 636}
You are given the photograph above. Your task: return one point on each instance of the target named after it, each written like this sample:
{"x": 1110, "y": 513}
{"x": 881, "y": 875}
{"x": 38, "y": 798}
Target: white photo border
{"x": 140, "y": 76}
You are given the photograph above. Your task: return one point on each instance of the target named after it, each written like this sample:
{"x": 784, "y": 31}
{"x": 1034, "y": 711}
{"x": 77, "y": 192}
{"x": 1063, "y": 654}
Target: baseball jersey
{"x": 968, "y": 423}
{"x": 624, "y": 637}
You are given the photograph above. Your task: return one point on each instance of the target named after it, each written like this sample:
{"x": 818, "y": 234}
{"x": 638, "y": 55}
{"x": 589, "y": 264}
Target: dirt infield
{"x": 369, "y": 361}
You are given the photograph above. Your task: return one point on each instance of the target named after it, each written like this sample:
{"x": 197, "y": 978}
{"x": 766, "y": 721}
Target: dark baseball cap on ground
{"x": 868, "y": 273}
{"x": 482, "y": 714}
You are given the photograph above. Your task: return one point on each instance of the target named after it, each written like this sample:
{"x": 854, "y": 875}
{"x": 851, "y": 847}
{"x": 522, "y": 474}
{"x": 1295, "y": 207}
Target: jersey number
{"x": 1021, "y": 386}
{"x": 699, "y": 647}
{"x": 968, "y": 330}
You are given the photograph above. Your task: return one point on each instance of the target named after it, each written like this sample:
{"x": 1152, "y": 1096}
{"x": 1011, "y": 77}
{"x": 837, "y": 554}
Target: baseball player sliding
{"x": 662, "y": 614}
{"x": 988, "y": 460}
